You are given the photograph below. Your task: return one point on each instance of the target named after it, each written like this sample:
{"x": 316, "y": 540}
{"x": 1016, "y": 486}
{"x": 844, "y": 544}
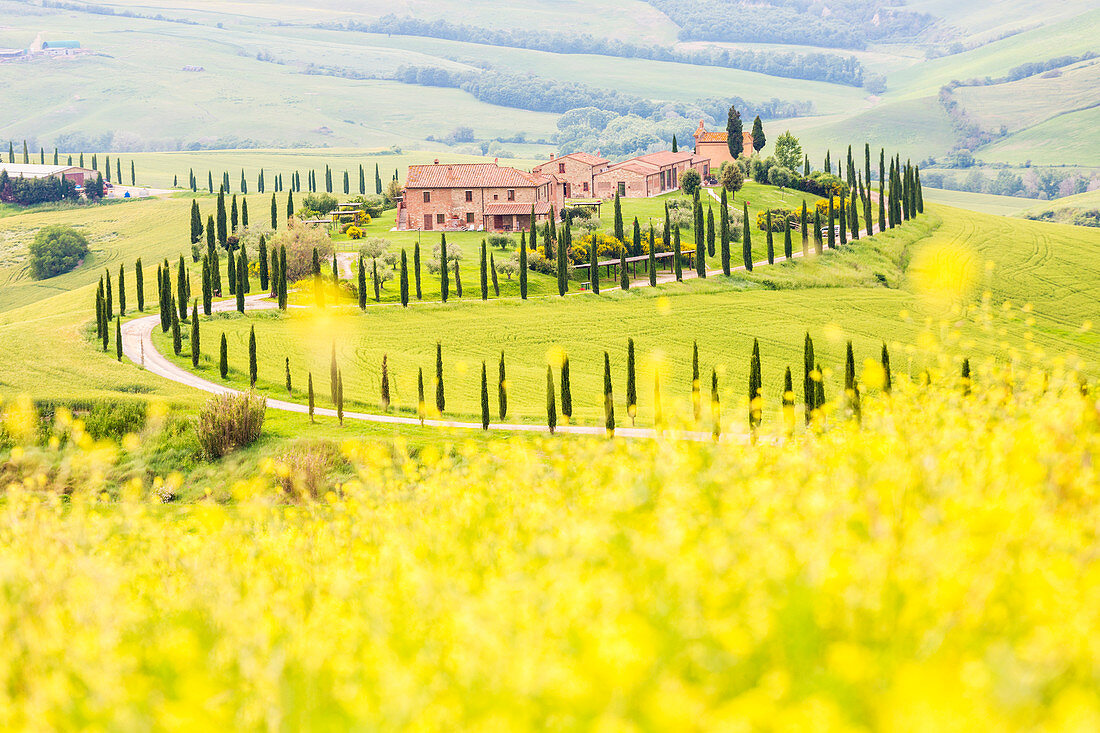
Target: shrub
{"x": 372, "y": 205}
{"x": 791, "y": 215}
{"x": 820, "y": 183}
{"x": 302, "y": 471}
{"x": 606, "y": 247}
{"x": 537, "y": 262}
{"x": 781, "y": 177}
{"x": 354, "y": 232}
{"x": 578, "y": 213}
{"x": 56, "y": 249}
{"x": 229, "y": 421}
{"x": 300, "y": 242}
{"x": 690, "y": 180}
{"x": 501, "y": 241}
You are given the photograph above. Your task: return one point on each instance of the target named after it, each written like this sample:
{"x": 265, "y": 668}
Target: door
{"x": 566, "y": 191}
{"x": 498, "y": 222}
{"x": 427, "y": 222}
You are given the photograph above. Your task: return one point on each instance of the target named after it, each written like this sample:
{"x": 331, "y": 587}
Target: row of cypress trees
{"x": 78, "y": 161}
{"x": 278, "y": 186}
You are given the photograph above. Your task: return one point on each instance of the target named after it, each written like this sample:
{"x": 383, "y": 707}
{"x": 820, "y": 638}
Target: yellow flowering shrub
{"x": 933, "y": 568}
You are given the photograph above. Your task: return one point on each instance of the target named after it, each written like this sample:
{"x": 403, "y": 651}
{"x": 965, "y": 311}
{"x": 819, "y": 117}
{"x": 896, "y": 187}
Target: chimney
{"x": 496, "y": 161}
{"x": 437, "y": 161}
{"x": 551, "y": 156}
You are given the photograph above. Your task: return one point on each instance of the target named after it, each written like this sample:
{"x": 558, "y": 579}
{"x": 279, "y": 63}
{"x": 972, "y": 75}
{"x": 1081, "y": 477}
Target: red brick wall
{"x": 577, "y": 174}
{"x": 451, "y": 202}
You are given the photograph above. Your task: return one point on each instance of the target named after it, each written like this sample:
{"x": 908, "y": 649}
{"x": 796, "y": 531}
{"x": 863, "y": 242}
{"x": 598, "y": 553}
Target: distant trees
{"x": 55, "y": 250}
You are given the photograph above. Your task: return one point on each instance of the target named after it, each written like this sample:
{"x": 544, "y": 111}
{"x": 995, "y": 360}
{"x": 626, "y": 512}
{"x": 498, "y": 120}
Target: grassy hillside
{"x": 986, "y": 203}
{"x": 1064, "y": 140}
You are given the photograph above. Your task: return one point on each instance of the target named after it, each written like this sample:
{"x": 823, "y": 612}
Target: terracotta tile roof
{"x": 634, "y": 165}
{"x": 586, "y": 158}
{"x": 713, "y": 137}
{"x": 470, "y": 175}
{"x": 514, "y": 207}
{"x": 653, "y": 162}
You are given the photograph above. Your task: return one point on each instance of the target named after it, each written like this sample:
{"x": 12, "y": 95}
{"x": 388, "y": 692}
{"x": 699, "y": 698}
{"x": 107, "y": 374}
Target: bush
{"x": 778, "y": 215}
{"x": 820, "y": 183}
{"x": 781, "y": 177}
{"x": 606, "y": 247}
{"x": 302, "y": 471}
{"x": 354, "y": 232}
{"x": 229, "y": 421}
{"x": 322, "y": 203}
{"x": 537, "y": 262}
{"x": 501, "y": 241}
{"x": 372, "y": 204}
{"x": 300, "y": 242}
{"x": 56, "y": 249}
{"x": 510, "y": 267}
{"x": 577, "y": 212}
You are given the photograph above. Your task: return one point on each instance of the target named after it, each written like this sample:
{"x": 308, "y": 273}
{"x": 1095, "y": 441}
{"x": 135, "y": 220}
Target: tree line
{"x": 825, "y": 67}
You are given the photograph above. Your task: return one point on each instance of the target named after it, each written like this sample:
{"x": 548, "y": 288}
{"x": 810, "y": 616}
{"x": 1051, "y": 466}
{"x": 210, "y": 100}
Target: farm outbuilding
{"x": 75, "y": 174}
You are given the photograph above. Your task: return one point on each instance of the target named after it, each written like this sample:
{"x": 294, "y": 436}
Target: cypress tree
{"x": 196, "y": 223}
{"x": 755, "y": 398}
{"x": 700, "y": 243}
{"x": 377, "y": 180}
{"x": 631, "y": 385}
{"x": 493, "y": 272}
{"x": 361, "y": 286}
{"x": 122, "y": 290}
{"x": 244, "y": 212}
{"x": 841, "y": 216}
{"x": 139, "y": 285}
{"x": 828, "y": 162}
{"x": 809, "y": 389}
{"x": 374, "y": 277}
{"x": 260, "y": 181}
{"x": 788, "y": 401}
{"x": 551, "y": 403}
{"x": 817, "y": 230}
{"x": 223, "y": 234}
{"x": 240, "y": 282}
{"x": 273, "y": 274}
{"x": 195, "y": 334}
{"x": 710, "y": 231}
{"x": 362, "y": 181}
{"x": 593, "y": 268}
{"x": 484, "y": 272}
{"x": 332, "y": 372}
{"x": 563, "y": 273}
{"x": 177, "y": 339}
{"x": 502, "y": 390}
{"x": 444, "y": 273}
{"x": 335, "y": 270}
{"x": 316, "y": 271}
{"x": 107, "y": 164}
{"x": 770, "y": 237}
{"x": 651, "y": 263}
{"x": 234, "y": 218}
{"x": 404, "y": 279}
{"x": 966, "y": 380}
{"x": 274, "y": 213}
{"x": 106, "y": 330}
{"x": 919, "y": 190}
{"x": 832, "y": 225}
{"x": 677, "y": 264}
{"x": 252, "y": 367}
{"x": 416, "y": 269}
{"x": 853, "y": 217}
{"x": 675, "y": 148}
{"x": 458, "y": 281}
{"x": 624, "y": 274}
{"x": 805, "y": 231}
{"x": 668, "y": 227}
{"x": 207, "y": 291}
{"x": 265, "y": 274}
{"x": 484, "y": 398}
{"x": 183, "y": 289}
{"x": 282, "y": 277}
{"x": 715, "y": 405}
{"x": 881, "y": 190}
{"x": 724, "y": 231}
{"x": 290, "y": 204}
{"x": 421, "y": 405}
{"x": 566, "y": 390}
{"x": 619, "y": 232}
{"x": 851, "y": 387}
{"x": 440, "y": 400}
{"x": 523, "y": 269}
{"x": 99, "y": 310}
{"x": 608, "y": 398}
{"x": 347, "y": 186}
{"x": 746, "y": 240}
{"x": 385, "y": 384}
{"x": 118, "y": 342}
{"x": 887, "y": 377}
{"x": 109, "y": 298}
{"x": 289, "y": 388}
{"x": 788, "y": 251}
{"x": 311, "y": 398}
{"x": 340, "y": 398}
{"x": 696, "y": 385}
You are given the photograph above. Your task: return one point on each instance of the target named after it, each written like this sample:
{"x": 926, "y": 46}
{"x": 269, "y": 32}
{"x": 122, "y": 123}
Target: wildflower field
{"x": 933, "y": 568}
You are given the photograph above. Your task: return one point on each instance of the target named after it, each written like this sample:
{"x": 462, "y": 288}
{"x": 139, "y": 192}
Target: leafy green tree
{"x": 690, "y": 181}
{"x": 788, "y": 151}
{"x": 732, "y": 178}
{"x": 55, "y": 250}
{"x": 734, "y": 132}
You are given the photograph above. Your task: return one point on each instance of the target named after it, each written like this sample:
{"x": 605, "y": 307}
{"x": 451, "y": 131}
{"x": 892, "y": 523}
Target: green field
{"x": 986, "y": 203}
{"x": 1068, "y": 139}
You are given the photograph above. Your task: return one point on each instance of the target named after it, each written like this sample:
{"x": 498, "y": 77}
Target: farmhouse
{"x": 713, "y": 146}
{"x": 647, "y": 175}
{"x": 67, "y": 172}
{"x": 474, "y": 196}
{"x": 575, "y": 173}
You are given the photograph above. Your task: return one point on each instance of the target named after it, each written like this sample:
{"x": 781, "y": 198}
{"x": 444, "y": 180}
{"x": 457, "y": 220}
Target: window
{"x": 439, "y": 218}
{"x": 469, "y": 195}
{"x": 511, "y": 194}
{"x": 495, "y": 197}
{"x": 622, "y": 188}
{"x": 427, "y": 197}
{"x": 561, "y": 167}
{"x": 469, "y": 217}
{"x": 586, "y": 185}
